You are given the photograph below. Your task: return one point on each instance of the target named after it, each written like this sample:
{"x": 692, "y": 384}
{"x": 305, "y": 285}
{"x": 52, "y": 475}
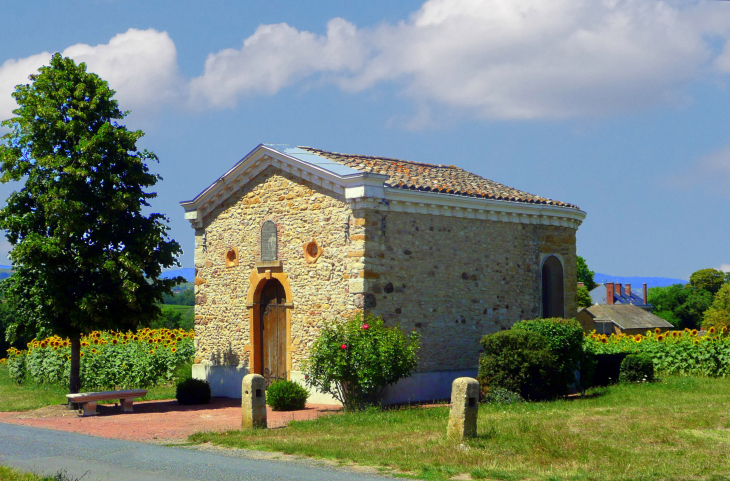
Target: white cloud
{"x": 274, "y": 57}
{"x": 725, "y": 267}
{"x": 498, "y": 59}
{"x": 525, "y": 59}
{"x": 15, "y": 72}
{"x": 515, "y": 59}
{"x": 141, "y": 65}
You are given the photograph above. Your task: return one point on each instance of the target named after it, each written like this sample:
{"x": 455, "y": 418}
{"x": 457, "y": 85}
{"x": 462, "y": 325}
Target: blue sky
{"x": 618, "y": 106}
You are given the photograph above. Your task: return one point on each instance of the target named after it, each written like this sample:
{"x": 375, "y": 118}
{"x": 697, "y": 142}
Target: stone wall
{"x": 454, "y": 280}
{"x": 451, "y": 279}
{"x": 302, "y": 212}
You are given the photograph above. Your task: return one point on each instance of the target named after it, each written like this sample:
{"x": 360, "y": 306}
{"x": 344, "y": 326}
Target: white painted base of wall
{"x": 315, "y": 397}
{"x": 225, "y": 381}
{"x": 424, "y": 386}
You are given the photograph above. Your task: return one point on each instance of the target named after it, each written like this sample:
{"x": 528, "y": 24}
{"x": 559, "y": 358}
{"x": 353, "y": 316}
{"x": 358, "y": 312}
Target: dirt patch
{"x": 156, "y": 421}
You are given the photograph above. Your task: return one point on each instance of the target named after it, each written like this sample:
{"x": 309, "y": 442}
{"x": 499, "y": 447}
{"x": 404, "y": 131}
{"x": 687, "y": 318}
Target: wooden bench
{"x": 88, "y": 399}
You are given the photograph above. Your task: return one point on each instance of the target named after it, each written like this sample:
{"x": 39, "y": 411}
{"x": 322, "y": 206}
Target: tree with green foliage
{"x": 584, "y": 297}
{"x": 682, "y": 306}
{"x": 718, "y": 315}
{"x": 85, "y": 257}
{"x": 710, "y": 280}
{"x": 585, "y": 275}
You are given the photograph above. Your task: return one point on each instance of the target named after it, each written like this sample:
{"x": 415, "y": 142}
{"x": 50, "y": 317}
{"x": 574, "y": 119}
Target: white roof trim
{"x": 367, "y": 190}
{"x": 341, "y": 179}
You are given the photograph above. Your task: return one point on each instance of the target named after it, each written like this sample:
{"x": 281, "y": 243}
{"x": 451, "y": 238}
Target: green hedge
{"x": 286, "y": 396}
{"x": 637, "y": 368}
{"x": 565, "y": 337}
{"x": 520, "y": 361}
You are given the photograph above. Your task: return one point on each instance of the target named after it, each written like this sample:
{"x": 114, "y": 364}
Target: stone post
{"x": 464, "y": 408}
{"x": 253, "y": 402}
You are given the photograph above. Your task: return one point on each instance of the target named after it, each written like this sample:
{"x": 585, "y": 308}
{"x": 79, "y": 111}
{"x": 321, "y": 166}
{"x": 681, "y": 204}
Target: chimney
{"x": 580, "y": 284}
{"x": 618, "y": 289}
{"x": 646, "y": 301}
{"x": 628, "y": 290}
{"x": 609, "y": 293}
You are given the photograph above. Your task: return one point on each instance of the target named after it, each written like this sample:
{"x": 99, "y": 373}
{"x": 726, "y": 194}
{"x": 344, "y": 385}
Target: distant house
{"x": 620, "y": 319}
{"x": 611, "y": 293}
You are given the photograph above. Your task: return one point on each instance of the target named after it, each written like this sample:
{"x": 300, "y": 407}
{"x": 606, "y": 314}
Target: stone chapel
{"x": 293, "y": 238}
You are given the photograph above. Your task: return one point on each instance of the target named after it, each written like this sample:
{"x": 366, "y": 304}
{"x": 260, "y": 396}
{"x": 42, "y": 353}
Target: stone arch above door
{"x": 257, "y": 279}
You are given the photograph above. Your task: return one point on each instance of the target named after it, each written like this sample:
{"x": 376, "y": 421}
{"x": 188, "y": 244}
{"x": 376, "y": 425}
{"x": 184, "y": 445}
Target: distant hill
{"x": 187, "y": 272}
{"x": 6, "y": 271}
{"x": 638, "y": 281}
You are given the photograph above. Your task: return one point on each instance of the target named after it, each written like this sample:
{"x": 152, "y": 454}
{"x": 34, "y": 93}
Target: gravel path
{"x": 155, "y": 421}
{"x": 47, "y": 451}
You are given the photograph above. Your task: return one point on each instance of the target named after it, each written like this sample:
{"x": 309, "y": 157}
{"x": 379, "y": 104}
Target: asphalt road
{"x": 47, "y": 451}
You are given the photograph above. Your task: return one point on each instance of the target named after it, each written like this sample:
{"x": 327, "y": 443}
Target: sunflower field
{"x": 109, "y": 360}
{"x": 674, "y": 352}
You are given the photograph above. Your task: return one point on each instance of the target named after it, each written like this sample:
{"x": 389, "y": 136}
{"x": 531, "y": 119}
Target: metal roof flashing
{"x": 314, "y": 159}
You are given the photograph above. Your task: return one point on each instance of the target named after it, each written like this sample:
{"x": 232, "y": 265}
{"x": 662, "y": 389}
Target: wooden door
{"x": 274, "y": 342}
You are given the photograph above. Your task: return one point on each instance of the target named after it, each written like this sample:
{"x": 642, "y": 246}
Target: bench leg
{"x": 127, "y": 404}
{"x": 88, "y": 408}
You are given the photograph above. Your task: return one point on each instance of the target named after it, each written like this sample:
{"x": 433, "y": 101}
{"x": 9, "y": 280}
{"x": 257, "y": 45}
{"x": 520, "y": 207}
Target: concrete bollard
{"x": 464, "y": 408}
{"x": 253, "y": 402}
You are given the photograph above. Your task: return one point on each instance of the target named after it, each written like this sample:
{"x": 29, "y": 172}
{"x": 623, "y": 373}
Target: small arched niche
{"x": 553, "y": 293}
{"x": 312, "y": 251}
{"x": 232, "y": 257}
{"x": 269, "y": 242}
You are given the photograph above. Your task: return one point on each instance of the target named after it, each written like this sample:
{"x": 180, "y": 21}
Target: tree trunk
{"x": 74, "y": 384}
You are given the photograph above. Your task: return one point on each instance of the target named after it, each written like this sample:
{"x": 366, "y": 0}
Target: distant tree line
{"x": 702, "y": 303}
{"x": 185, "y": 297}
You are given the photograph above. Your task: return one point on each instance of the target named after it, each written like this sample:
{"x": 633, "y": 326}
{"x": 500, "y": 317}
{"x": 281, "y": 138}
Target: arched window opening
{"x": 269, "y": 242}
{"x": 553, "y": 300}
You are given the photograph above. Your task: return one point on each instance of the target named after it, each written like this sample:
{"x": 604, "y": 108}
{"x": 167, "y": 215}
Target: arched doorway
{"x": 271, "y": 348}
{"x": 553, "y": 299}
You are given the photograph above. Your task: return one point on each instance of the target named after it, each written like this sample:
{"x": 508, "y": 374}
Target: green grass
{"x": 678, "y": 428}
{"x": 9, "y": 474}
{"x": 33, "y": 396}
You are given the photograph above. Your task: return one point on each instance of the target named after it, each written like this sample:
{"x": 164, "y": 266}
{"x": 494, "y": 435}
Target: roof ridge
{"x": 377, "y": 157}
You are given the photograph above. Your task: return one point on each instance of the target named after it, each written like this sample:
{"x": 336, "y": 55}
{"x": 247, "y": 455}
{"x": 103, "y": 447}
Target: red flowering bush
{"x": 354, "y": 360}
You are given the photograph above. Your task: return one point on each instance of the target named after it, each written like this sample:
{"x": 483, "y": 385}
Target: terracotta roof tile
{"x": 443, "y": 179}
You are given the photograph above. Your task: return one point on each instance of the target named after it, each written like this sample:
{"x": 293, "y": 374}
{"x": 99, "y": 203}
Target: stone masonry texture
{"x": 451, "y": 279}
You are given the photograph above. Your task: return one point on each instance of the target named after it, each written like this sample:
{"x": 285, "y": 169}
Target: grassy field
{"x": 678, "y": 428}
{"x": 33, "y": 396}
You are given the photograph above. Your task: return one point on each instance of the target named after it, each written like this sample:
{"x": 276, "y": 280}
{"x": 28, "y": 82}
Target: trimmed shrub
{"x": 193, "y": 391}
{"x": 608, "y": 368}
{"x": 286, "y": 396}
{"x": 637, "y": 368}
{"x": 502, "y": 396}
{"x": 520, "y": 361}
{"x": 354, "y": 360}
{"x": 565, "y": 337}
